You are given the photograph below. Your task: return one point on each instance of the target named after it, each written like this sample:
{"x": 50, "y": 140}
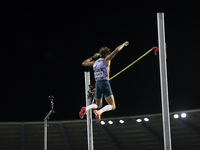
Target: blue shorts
{"x": 102, "y": 88}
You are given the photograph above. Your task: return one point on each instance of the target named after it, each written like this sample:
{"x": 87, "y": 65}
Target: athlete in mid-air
{"x": 102, "y": 86}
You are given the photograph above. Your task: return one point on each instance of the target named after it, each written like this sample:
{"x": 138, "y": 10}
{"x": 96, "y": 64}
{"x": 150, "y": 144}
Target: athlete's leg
{"x": 85, "y": 109}
{"x": 111, "y": 101}
{"x": 95, "y": 106}
{"x": 107, "y": 91}
{"x": 98, "y": 102}
{"x": 92, "y": 106}
{"x": 108, "y": 97}
{"x": 82, "y": 112}
{"x": 111, "y": 104}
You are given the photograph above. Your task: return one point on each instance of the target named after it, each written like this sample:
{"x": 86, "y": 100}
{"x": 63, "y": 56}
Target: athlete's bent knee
{"x": 99, "y": 105}
{"x": 113, "y": 107}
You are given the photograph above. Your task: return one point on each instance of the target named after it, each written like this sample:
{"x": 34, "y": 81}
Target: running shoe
{"x": 82, "y": 112}
{"x": 97, "y": 115}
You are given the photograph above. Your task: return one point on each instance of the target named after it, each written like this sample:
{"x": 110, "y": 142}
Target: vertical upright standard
{"x": 163, "y": 82}
{"x": 89, "y": 112}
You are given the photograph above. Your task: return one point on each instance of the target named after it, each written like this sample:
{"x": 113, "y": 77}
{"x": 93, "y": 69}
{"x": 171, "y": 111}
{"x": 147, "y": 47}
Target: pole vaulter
{"x": 102, "y": 87}
{"x": 101, "y": 68}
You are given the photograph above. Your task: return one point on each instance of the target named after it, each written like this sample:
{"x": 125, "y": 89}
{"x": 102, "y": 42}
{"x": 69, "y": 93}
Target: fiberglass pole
{"x": 163, "y": 81}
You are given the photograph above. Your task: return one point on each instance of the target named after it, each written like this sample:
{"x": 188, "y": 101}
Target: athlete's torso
{"x": 101, "y": 71}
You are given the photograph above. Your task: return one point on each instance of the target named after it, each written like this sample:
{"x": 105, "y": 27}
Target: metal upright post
{"x": 163, "y": 81}
{"x": 45, "y": 134}
{"x": 89, "y": 113}
{"x": 45, "y": 121}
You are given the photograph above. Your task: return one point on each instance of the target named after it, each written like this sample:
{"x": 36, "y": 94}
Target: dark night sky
{"x": 43, "y": 46}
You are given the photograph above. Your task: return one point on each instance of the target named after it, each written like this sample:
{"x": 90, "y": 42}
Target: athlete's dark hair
{"x": 104, "y": 51}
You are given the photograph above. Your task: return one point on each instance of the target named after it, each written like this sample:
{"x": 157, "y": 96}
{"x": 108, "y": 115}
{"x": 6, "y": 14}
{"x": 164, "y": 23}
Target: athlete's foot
{"x": 97, "y": 115}
{"x": 82, "y": 112}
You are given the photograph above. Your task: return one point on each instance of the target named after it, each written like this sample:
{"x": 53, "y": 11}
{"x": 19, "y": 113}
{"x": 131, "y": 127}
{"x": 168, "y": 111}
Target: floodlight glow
{"x": 146, "y": 119}
{"x": 176, "y": 116}
{"x": 139, "y": 120}
{"x": 121, "y": 121}
{"x": 102, "y": 122}
{"x": 183, "y": 115}
{"x": 110, "y": 122}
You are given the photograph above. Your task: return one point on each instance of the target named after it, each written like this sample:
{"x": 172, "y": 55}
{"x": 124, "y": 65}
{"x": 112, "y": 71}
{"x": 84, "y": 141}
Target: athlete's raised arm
{"x": 90, "y": 62}
{"x": 117, "y": 49}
